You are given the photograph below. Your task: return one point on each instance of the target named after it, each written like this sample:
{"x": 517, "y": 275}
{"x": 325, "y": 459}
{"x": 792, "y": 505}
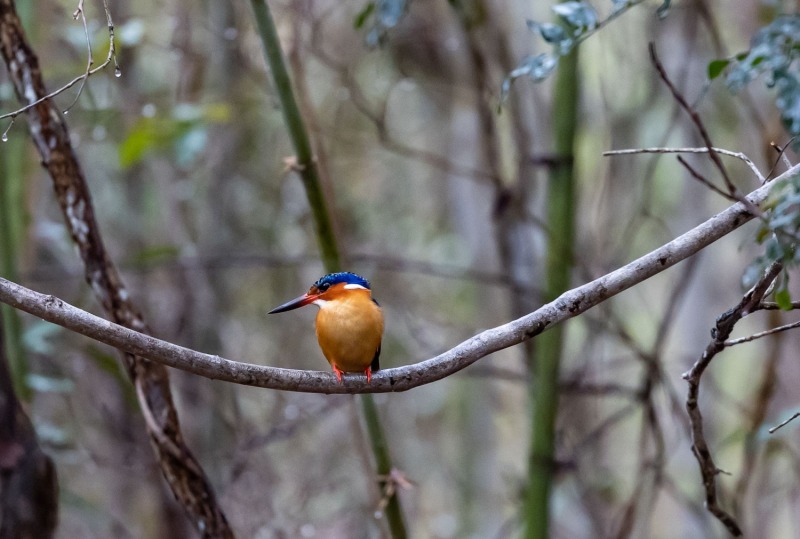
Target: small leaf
{"x": 663, "y": 9}
{"x": 716, "y": 68}
{"x": 579, "y": 15}
{"x": 552, "y": 33}
{"x": 783, "y": 299}
{"x": 536, "y": 67}
{"x": 363, "y": 15}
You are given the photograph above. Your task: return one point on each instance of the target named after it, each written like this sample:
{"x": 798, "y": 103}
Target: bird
{"x": 349, "y": 323}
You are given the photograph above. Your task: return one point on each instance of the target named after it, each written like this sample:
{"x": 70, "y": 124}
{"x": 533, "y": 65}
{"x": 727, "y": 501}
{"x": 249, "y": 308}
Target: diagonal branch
{"x": 570, "y": 304}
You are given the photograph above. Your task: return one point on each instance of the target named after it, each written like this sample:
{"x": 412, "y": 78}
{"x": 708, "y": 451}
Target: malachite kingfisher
{"x": 349, "y": 322}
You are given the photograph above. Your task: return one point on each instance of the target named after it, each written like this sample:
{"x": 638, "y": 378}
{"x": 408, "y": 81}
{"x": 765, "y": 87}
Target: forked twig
{"x": 784, "y": 423}
{"x": 112, "y": 56}
{"x": 760, "y": 334}
{"x": 698, "y": 122}
{"x": 722, "y": 330}
{"x": 721, "y": 151}
{"x": 702, "y": 179}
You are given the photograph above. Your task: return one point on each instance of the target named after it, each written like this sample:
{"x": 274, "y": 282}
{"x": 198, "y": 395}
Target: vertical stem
{"x": 383, "y": 464}
{"x": 326, "y": 238}
{"x": 561, "y": 225}
{"x": 306, "y": 164}
{"x": 12, "y": 224}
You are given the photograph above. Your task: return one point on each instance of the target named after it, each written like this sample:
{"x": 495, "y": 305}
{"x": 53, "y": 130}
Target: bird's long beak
{"x": 305, "y": 299}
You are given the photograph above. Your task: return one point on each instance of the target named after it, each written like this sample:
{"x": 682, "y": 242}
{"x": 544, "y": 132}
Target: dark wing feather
{"x": 376, "y": 364}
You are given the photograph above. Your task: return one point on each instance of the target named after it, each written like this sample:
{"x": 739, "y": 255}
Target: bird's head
{"x": 331, "y": 287}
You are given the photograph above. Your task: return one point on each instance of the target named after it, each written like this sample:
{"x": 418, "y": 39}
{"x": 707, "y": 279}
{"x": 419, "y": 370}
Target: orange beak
{"x": 305, "y": 299}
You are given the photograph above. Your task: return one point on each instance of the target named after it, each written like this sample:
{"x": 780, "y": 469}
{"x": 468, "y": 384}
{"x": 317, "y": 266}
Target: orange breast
{"x": 349, "y": 330}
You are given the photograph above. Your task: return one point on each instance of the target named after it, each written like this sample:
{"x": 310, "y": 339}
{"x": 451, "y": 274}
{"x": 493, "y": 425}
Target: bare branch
{"x": 112, "y": 55}
{"x": 723, "y": 328}
{"x": 738, "y": 155}
{"x": 784, "y": 423}
{"x": 781, "y": 155}
{"x": 568, "y": 305}
{"x": 702, "y": 179}
{"x": 698, "y": 122}
{"x": 771, "y": 331}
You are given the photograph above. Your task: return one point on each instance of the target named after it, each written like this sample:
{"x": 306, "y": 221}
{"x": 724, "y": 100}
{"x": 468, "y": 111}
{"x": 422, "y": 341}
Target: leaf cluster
{"x": 773, "y": 52}
{"x": 576, "y": 21}
{"x": 779, "y": 233}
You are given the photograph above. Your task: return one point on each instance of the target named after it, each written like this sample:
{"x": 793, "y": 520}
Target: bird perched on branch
{"x": 349, "y": 322}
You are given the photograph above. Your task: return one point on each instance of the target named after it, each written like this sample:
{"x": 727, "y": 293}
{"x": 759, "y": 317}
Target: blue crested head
{"x": 341, "y": 277}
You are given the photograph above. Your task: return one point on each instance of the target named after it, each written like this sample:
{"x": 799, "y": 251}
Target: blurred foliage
{"x": 773, "y": 52}
{"x": 189, "y": 162}
{"x": 184, "y": 132}
{"x": 378, "y": 17}
{"x": 577, "y": 21}
{"x": 780, "y": 234}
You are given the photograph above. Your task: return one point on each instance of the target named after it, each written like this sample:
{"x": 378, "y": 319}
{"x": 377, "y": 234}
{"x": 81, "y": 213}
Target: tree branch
{"x": 722, "y": 330}
{"x": 568, "y": 305}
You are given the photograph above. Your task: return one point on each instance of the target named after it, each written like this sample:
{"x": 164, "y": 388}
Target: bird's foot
{"x": 368, "y": 372}
{"x": 338, "y": 372}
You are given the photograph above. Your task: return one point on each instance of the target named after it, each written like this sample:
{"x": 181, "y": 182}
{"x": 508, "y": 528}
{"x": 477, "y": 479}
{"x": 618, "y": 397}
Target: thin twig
{"x": 784, "y": 423}
{"x": 702, "y": 179}
{"x": 89, "y": 60}
{"x": 772, "y": 306}
{"x": 112, "y": 55}
{"x": 772, "y": 331}
{"x": 698, "y": 122}
{"x": 739, "y": 155}
{"x": 781, "y": 155}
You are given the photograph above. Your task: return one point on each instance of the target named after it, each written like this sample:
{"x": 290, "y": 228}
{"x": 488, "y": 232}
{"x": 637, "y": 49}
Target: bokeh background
{"x": 438, "y": 199}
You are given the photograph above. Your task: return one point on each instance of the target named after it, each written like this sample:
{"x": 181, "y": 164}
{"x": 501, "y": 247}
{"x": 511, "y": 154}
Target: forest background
{"x": 445, "y": 187}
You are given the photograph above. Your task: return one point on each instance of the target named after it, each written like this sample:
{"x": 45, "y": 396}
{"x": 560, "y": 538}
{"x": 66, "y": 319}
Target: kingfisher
{"x": 349, "y": 323}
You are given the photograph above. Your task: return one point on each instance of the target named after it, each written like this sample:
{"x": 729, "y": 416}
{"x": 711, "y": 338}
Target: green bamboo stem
{"x": 306, "y": 164}
{"x": 549, "y": 345}
{"x": 12, "y": 223}
{"x": 326, "y": 238}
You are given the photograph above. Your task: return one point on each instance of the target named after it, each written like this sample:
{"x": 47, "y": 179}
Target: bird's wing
{"x": 376, "y": 364}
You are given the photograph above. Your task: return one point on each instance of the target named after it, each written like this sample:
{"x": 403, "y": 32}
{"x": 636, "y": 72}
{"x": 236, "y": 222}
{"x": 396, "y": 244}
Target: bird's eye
{"x": 323, "y": 287}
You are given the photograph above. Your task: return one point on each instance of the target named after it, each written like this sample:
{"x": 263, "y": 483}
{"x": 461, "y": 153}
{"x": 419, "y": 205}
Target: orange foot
{"x": 338, "y": 372}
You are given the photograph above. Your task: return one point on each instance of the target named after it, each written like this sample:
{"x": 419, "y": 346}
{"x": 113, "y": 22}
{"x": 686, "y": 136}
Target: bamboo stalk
{"x": 12, "y": 224}
{"x": 549, "y": 346}
{"x": 326, "y": 238}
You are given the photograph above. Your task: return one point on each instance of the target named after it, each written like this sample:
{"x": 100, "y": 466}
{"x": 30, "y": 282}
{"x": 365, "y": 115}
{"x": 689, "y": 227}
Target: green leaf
{"x": 363, "y": 15}
{"x": 783, "y": 299}
{"x": 716, "y": 68}
{"x": 146, "y": 135}
{"x": 153, "y": 256}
